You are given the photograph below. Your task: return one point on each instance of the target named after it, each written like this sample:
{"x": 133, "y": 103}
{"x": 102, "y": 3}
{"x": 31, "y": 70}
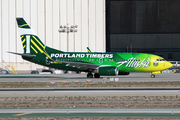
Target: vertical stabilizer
{"x": 30, "y": 41}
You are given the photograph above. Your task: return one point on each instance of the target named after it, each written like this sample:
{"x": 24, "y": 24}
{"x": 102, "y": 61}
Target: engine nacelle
{"x": 107, "y": 71}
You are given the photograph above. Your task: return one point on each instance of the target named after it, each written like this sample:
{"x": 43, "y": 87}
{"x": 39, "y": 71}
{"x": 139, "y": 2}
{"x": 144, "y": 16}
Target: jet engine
{"x": 107, "y": 71}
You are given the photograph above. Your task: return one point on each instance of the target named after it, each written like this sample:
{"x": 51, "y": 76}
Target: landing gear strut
{"x": 96, "y": 75}
{"x": 152, "y": 76}
{"x": 89, "y": 75}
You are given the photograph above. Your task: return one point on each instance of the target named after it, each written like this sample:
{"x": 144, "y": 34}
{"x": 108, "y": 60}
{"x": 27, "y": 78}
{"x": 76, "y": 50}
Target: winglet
{"x": 88, "y": 49}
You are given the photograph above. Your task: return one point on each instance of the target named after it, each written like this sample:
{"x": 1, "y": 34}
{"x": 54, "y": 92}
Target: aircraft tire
{"x": 96, "y": 75}
{"x": 89, "y": 75}
{"x": 152, "y": 76}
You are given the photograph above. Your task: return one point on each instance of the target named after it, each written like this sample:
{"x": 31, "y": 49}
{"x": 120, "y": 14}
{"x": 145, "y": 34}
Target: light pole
{"x": 67, "y": 29}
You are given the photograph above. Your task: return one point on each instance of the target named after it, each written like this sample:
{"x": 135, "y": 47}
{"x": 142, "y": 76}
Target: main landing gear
{"x": 96, "y": 75}
{"x": 152, "y": 76}
{"x": 90, "y": 75}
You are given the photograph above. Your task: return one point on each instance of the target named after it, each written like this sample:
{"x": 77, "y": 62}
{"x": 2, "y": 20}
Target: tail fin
{"x": 30, "y": 41}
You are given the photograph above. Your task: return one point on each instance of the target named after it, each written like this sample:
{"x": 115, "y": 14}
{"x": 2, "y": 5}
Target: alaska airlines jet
{"x": 95, "y": 63}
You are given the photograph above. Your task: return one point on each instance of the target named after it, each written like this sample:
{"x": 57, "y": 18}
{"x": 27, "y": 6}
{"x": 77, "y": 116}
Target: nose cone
{"x": 169, "y": 65}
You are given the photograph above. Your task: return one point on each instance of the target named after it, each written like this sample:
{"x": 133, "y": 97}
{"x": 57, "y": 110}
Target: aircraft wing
{"x": 80, "y": 65}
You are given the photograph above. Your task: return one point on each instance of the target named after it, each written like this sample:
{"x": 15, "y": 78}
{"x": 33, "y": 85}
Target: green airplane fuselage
{"x": 127, "y": 62}
{"x": 100, "y": 63}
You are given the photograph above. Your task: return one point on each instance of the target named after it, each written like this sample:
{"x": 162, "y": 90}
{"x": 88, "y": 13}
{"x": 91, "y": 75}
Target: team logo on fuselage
{"x": 64, "y": 55}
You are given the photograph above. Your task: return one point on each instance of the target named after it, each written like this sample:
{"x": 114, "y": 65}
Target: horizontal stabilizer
{"x": 24, "y": 55}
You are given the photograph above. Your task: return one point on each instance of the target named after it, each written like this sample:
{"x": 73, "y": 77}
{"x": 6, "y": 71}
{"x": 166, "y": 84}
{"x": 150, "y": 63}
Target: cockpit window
{"x": 160, "y": 59}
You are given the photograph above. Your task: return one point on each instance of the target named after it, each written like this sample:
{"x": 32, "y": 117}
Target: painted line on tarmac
{"x": 22, "y": 114}
{"x": 29, "y": 77}
{"x": 96, "y": 114}
{"x": 90, "y": 89}
{"x": 134, "y": 91}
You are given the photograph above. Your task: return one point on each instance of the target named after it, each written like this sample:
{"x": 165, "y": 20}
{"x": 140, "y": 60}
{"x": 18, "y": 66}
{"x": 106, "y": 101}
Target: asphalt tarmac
{"x": 82, "y": 115}
{"x": 152, "y": 112}
{"x": 90, "y": 93}
{"x": 84, "y": 110}
{"x": 82, "y": 77}
{"x": 88, "y": 112}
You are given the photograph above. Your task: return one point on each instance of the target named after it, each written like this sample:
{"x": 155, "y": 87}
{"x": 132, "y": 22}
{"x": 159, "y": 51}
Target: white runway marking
{"x": 105, "y": 110}
{"x": 128, "y": 91}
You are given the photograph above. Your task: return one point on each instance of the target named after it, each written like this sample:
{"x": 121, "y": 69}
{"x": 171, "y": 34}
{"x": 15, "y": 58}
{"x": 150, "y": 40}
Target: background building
{"x": 149, "y": 26}
{"x": 45, "y": 17}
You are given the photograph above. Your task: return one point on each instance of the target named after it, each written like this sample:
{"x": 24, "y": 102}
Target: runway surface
{"x": 82, "y": 77}
{"x": 90, "y": 93}
{"x": 92, "y": 89}
{"x": 89, "y": 112}
{"x": 84, "y": 110}
{"x": 58, "y": 92}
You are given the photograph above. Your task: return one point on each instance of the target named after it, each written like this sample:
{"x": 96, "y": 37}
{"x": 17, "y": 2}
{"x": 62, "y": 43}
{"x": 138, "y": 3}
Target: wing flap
{"x": 80, "y": 65}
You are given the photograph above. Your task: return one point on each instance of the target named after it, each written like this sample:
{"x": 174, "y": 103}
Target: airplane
{"x": 94, "y": 63}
